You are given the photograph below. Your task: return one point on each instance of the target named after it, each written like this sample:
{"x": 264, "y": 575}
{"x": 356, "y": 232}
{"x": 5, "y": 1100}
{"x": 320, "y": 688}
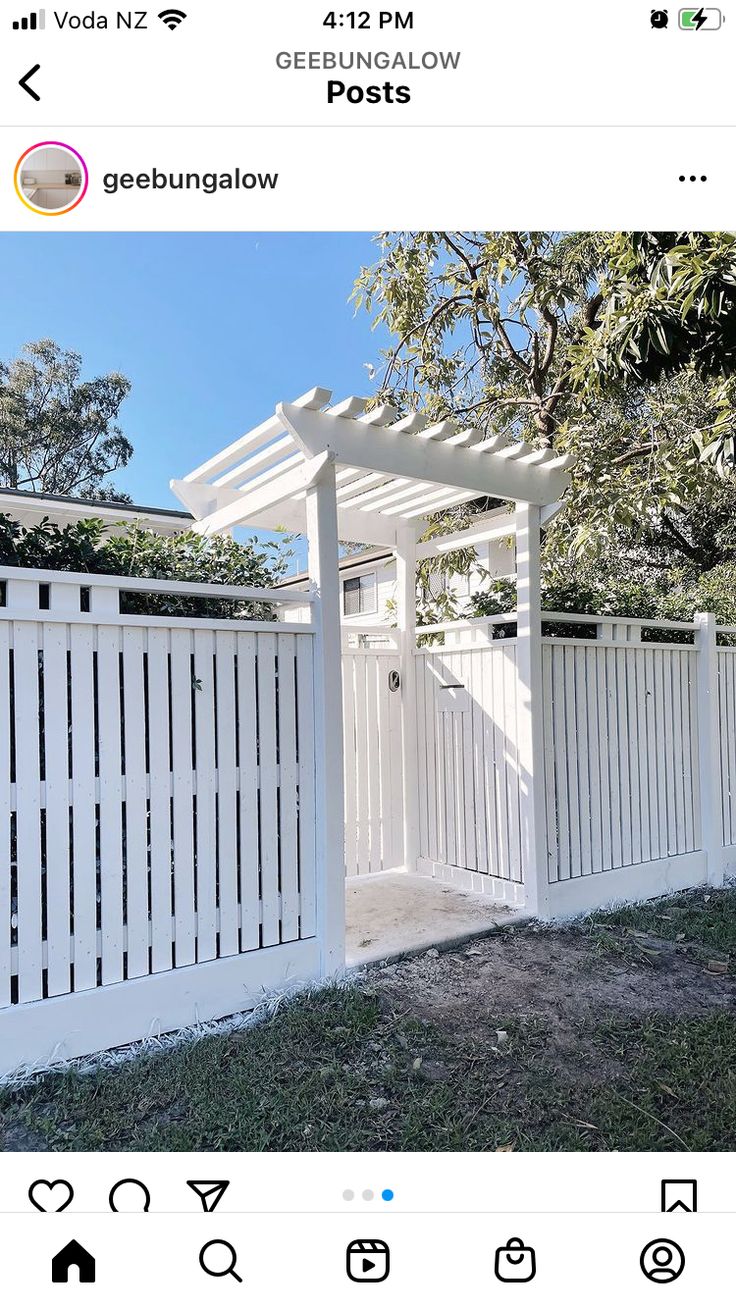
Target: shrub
{"x": 84, "y": 547}
{"x": 617, "y": 587}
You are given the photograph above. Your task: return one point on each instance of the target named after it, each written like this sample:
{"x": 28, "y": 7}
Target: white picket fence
{"x": 171, "y": 794}
{"x": 622, "y": 755}
{"x": 157, "y": 812}
{"x": 637, "y": 759}
{"x": 622, "y": 772}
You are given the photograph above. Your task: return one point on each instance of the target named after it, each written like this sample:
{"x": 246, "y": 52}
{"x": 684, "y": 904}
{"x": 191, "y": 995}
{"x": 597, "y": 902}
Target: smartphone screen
{"x": 367, "y": 652}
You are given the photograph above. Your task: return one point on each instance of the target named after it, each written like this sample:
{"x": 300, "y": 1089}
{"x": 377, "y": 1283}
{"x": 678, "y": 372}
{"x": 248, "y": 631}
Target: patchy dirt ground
{"x": 560, "y": 985}
{"x": 563, "y": 977}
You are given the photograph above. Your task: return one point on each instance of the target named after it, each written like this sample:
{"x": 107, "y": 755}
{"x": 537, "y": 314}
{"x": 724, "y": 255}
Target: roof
{"x": 31, "y": 507}
{"x": 360, "y": 559}
{"x": 392, "y": 473}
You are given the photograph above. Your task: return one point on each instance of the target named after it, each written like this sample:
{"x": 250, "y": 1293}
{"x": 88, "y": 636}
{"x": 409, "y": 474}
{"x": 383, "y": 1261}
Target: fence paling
{"x": 6, "y": 974}
{"x": 727, "y": 742}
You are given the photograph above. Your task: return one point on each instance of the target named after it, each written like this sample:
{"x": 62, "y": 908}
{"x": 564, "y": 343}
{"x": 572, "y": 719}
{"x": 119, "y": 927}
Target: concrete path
{"x": 390, "y": 914}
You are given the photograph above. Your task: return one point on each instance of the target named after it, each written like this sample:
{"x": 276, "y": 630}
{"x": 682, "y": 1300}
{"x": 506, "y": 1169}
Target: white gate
{"x": 469, "y": 812}
{"x": 372, "y": 691}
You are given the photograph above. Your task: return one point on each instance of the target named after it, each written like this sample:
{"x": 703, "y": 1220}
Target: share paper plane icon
{"x": 210, "y": 1193}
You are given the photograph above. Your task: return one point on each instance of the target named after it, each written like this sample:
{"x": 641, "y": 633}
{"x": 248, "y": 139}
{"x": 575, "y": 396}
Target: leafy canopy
{"x": 516, "y": 331}
{"x": 59, "y": 433}
{"x": 617, "y": 346}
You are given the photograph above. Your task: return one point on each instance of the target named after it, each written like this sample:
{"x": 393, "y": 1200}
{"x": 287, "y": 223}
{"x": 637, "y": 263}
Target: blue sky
{"x": 212, "y": 329}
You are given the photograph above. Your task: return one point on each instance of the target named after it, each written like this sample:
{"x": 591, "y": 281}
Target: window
{"x": 359, "y": 595}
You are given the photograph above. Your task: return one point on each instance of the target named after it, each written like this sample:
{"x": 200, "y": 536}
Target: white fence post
{"x": 530, "y": 750}
{"x": 709, "y": 748}
{"x": 406, "y": 610}
{"x": 330, "y": 817}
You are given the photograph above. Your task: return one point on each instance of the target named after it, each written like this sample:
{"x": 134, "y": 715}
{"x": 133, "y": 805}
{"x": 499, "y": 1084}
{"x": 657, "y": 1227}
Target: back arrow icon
{"x": 25, "y": 79}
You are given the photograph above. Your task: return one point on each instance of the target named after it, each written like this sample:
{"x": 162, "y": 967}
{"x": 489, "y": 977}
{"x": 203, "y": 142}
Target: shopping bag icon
{"x": 515, "y": 1262}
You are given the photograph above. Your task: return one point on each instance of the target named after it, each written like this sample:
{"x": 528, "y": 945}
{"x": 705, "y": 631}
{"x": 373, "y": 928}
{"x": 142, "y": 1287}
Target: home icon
{"x": 73, "y": 1255}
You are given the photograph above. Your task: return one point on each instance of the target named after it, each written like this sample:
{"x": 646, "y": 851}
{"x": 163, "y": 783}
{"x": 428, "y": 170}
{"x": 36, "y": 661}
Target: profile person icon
{"x": 662, "y": 1261}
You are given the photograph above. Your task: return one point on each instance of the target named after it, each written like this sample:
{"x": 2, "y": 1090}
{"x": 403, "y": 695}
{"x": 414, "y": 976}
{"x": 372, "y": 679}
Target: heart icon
{"x": 51, "y": 1197}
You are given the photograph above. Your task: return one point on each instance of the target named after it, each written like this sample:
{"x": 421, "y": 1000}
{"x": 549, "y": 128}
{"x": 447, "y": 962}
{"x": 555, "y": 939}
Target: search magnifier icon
{"x": 218, "y": 1259}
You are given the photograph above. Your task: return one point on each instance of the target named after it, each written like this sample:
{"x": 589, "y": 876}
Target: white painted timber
{"x": 530, "y": 750}
{"x": 406, "y": 617}
{"x": 421, "y": 459}
{"x": 619, "y": 743}
{"x": 322, "y": 534}
{"x": 634, "y": 882}
{"x": 374, "y": 773}
{"x": 161, "y": 799}
{"x": 709, "y": 717}
{"x": 467, "y": 767}
{"x": 52, "y": 1031}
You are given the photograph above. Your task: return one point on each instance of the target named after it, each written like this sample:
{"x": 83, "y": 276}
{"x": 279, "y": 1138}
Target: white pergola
{"x": 390, "y": 475}
{"x": 343, "y": 472}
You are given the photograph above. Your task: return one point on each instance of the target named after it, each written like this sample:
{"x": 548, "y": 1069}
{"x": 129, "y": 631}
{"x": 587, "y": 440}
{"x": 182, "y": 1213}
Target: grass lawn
{"x": 615, "y": 1034}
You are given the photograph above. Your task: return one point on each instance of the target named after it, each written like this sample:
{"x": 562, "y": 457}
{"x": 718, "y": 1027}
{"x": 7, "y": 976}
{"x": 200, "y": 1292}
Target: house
{"x": 31, "y": 507}
{"x": 368, "y": 579}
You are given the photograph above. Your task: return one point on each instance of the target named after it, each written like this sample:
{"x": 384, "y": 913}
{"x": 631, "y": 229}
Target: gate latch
{"x": 394, "y": 680}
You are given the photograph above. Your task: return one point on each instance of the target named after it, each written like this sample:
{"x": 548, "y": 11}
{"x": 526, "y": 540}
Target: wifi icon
{"x": 173, "y": 18}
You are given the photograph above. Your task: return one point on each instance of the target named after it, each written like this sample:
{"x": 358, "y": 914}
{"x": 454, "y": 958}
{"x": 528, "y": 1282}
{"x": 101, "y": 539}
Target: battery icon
{"x": 700, "y": 20}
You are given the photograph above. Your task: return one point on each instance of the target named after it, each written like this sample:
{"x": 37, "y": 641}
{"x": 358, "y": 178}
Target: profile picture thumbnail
{"x": 51, "y": 178}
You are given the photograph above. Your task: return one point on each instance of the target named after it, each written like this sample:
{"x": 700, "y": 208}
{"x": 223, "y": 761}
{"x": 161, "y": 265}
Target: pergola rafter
{"x": 391, "y": 474}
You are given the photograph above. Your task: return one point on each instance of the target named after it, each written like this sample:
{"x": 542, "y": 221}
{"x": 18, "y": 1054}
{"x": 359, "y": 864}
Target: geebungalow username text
{"x": 209, "y": 183}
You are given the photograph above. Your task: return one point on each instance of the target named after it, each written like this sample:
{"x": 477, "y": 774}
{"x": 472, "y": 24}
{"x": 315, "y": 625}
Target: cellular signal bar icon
{"x": 35, "y": 22}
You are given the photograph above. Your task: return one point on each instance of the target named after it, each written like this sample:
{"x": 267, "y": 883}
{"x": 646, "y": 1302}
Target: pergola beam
{"x": 249, "y": 504}
{"x": 492, "y": 528}
{"x": 272, "y": 511}
{"x": 455, "y": 467}
{"x": 201, "y": 498}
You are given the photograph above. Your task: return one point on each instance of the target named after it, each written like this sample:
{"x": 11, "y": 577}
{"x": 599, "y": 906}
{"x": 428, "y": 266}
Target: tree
{"x": 483, "y": 323}
{"x": 58, "y": 433}
{"x": 668, "y": 302}
{"x": 620, "y": 347}
{"x": 640, "y": 488}
{"x": 516, "y": 331}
